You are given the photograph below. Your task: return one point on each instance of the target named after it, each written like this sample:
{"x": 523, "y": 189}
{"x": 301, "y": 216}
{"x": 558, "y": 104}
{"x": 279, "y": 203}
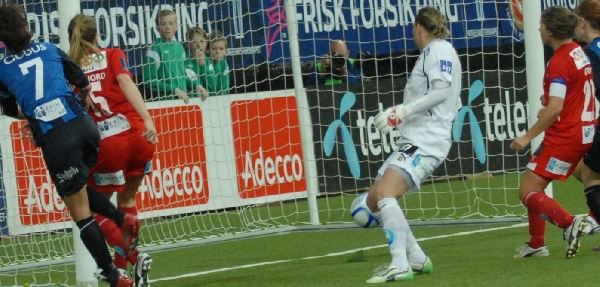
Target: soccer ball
{"x": 361, "y": 214}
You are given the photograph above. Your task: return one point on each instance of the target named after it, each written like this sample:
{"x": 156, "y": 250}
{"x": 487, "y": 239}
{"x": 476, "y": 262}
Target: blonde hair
{"x": 216, "y": 36}
{"x": 82, "y": 33}
{"x": 433, "y": 21}
{"x": 163, "y": 13}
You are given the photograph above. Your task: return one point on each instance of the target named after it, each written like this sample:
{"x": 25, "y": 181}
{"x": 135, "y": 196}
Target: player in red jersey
{"x": 568, "y": 119}
{"x": 127, "y": 133}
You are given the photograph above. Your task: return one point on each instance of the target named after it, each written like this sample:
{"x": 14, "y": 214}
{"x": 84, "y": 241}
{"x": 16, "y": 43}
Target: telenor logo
{"x": 329, "y": 141}
{"x": 475, "y": 91}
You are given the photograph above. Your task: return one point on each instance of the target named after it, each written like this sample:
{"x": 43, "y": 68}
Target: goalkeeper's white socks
{"x": 396, "y": 229}
{"x": 414, "y": 251}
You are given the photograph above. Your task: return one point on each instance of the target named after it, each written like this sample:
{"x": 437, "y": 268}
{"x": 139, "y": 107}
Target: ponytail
{"x": 441, "y": 31}
{"x": 82, "y": 32}
{"x": 433, "y": 21}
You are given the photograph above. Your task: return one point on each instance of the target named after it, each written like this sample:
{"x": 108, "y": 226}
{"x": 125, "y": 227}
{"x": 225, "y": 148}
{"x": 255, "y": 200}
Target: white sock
{"x": 395, "y": 229}
{"x": 414, "y": 251}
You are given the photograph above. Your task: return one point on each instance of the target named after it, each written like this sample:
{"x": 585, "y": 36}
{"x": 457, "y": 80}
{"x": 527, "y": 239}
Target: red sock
{"x": 114, "y": 238}
{"x": 542, "y": 204}
{"x": 537, "y": 228}
{"x": 133, "y": 254}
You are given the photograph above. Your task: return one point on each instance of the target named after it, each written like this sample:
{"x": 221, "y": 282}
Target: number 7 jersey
{"x": 569, "y": 74}
{"x": 36, "y": 78}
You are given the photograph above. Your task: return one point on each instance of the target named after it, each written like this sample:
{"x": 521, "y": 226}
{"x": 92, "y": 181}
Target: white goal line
{"x": 333, "y": 254}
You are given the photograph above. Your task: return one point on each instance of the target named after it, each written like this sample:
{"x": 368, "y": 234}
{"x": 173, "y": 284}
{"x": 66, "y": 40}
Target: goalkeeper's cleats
{"x": 391, "y": 273}
{"x": 573, "y": 235}
{"x": 425, "y": 267}
{"x": 525, "y": 251}
{"x": 140, "y": 270}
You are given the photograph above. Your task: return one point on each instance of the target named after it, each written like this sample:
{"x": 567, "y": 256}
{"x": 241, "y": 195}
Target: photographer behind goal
{"x": 337, "y": 67}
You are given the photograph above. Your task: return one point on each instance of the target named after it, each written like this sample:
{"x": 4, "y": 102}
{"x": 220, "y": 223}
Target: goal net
{"x": 267, "y": 154}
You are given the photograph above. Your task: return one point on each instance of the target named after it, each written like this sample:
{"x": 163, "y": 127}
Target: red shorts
{"x": 553, "y": 162}
{"x": 120, "y": 157}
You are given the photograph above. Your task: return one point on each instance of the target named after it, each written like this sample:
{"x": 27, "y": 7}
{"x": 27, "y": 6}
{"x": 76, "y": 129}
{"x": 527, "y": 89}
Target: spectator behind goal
{"x": 218, "y": 69}
{"x": 336, "y": 67}
{"x": 163, "y": 64}
{"x": 197, "y": 64}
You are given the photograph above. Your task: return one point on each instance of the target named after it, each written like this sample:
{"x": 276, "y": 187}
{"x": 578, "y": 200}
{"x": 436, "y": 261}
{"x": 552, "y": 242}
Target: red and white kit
{"x": 124, "y": 152}
{"x": 569, "y": 76}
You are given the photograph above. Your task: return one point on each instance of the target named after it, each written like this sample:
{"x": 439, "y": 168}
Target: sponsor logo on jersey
{"x": 94, "y": 62}
{"x": 416, "y": 160}
{"x": 67, "y": 174}
{"x": 579, "y": 58}
{"x": 588, "y": 134}
{"x": 557, "y": 166}
{"x": 113, "y": 126}
{"x": 50, "y": 111}
{"x": 446, "y": 66}
{"x": 109, "y": 178}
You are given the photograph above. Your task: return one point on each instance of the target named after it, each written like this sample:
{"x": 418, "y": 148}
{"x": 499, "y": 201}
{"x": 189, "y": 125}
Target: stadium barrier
{"x": 245, "y": 147}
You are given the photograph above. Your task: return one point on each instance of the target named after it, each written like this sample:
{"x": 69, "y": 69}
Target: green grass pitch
{"x": 299, "y": 258}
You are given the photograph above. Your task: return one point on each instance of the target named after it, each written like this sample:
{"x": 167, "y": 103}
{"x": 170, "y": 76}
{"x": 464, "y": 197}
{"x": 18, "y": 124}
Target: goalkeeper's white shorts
{"x": 410, "y": 161}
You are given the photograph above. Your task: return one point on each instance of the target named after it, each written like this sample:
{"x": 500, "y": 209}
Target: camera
{"x": 338, "y": 61}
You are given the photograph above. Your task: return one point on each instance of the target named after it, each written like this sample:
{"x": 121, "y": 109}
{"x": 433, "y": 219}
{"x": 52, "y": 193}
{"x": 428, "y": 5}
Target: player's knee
{"x": 523, "y": 195}
{"x": 372, "y": 199}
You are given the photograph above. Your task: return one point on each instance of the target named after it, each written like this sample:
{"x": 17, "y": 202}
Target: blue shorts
{"x": 69, "y": 150}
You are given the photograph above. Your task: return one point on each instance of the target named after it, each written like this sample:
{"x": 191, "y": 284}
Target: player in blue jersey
{"x": 35, "y": 77}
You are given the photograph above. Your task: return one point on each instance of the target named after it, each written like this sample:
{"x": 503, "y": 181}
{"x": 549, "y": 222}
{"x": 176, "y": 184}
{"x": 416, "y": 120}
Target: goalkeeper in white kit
{"x": 424, "y": 120}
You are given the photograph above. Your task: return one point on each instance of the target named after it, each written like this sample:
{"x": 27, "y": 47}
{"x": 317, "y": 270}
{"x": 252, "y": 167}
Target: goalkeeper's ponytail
{"x": 433, "y": 21}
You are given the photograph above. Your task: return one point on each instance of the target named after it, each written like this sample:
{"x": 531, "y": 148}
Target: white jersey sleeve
{"x": 438, "y": 64}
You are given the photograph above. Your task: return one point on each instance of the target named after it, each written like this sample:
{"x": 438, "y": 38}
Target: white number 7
{"x": 38, "y": 66}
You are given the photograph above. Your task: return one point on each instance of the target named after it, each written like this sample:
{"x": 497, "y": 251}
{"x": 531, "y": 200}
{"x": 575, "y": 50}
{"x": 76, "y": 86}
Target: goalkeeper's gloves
{"x": 385, "y": 121}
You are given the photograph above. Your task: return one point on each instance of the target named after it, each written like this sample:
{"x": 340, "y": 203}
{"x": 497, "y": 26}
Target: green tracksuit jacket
{"x": 164, "y": 69}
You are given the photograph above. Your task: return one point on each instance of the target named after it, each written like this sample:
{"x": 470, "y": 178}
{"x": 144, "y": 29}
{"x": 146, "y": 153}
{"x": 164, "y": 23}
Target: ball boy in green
{"x": 197, "y": 64}
{"x": 164, "y": 69}
{"x": 218, "y": 71}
